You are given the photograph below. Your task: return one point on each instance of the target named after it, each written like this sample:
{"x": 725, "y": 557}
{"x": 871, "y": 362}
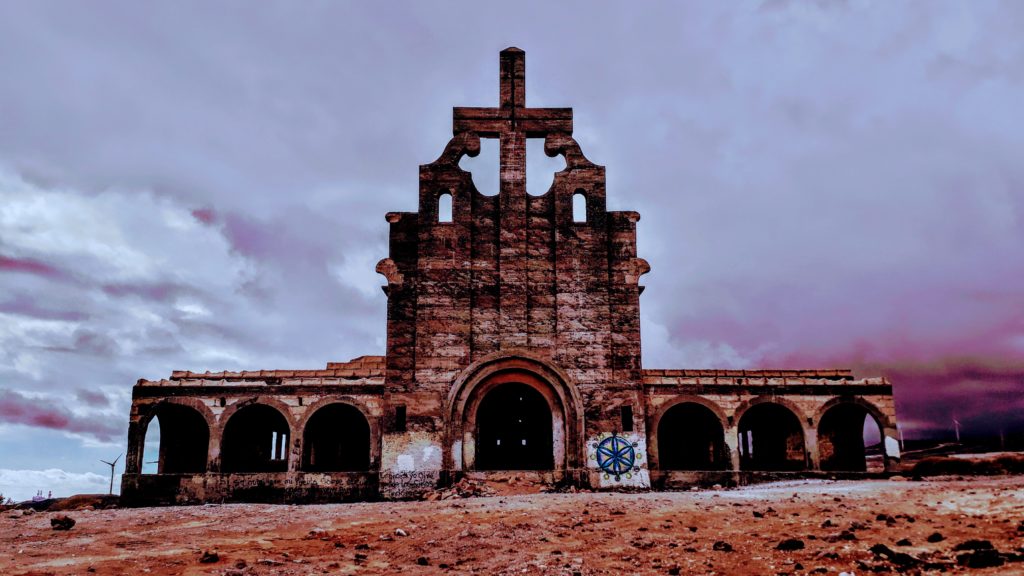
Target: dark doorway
{"x": 514, "y": 430}
{"x": 690, "y": 437}
{"x": 256, "y": 439}
{"x": 336, "y": 439}
{"x": 184, "y": 439}
{"x": 771, "y": 439}
{"x": 841, "y": 439}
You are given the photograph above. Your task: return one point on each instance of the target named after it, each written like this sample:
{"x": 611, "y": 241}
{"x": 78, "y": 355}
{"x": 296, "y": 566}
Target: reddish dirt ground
{"x": 709, "y": 532}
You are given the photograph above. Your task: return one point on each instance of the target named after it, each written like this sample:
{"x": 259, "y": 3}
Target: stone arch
{"x": 372, "y": 431}
{"x": 522, "y": 367}
{"x": 773, "y": 435}
{"x": 271, "y": 401}
{"x": 711, "y": 430}
{"x": 880, "y": 418}
{"x": 257, "y": 435}
{"x": 840, "y": 427}
{"x": 185, "y": 428}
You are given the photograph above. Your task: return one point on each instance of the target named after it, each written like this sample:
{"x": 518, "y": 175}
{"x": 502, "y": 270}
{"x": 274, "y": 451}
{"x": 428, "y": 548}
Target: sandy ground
{"x": 712, "y": 532}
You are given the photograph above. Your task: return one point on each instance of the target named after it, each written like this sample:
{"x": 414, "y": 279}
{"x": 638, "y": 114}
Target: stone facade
{"x": 513, "y": 342}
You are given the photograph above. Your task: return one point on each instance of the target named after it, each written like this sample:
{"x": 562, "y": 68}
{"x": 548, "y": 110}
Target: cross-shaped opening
{"x": 486, "y": 167}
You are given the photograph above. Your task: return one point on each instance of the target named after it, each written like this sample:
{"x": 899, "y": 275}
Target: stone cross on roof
{"x": 512, "y": 122}
{"x": 512, "y": 115}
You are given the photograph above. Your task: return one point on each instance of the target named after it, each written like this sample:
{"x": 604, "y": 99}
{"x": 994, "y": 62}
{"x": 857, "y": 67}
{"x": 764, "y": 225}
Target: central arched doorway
{"x": 522, "y": 400}
{"x": 514, "y": 429}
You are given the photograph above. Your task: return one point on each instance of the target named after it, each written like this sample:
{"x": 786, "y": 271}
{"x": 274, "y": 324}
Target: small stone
{"x": 904, "y": 542}
{"x": 973, "y": 545}
{"x": 209, "y": 557}
{"x": 693, "y": 528}
{"x": 758, "y": 514}
{"x": 423, "y": 561}
{"x": 400, "y": 532}
{"x": 935, "y": 537}
{"x": 980, "y": 558}
{"x": 790, "y": 544}
{"x": 62, "y": 523}
{"x": 898, "y": 558}
{"x": 721, "y": 546}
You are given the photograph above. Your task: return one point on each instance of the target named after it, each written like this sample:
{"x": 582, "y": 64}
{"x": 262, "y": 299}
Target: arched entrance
{"x": 514, "y": 429}
{"x": 850, "y": 439}
{"x": 177, "y": 440}
{"x": 771, "y": 438}
{"x": 489, "y": 399}
{"x": 336, "y": 439}
{"x": 256, "y": 439}
{"x": 691, "y": 437}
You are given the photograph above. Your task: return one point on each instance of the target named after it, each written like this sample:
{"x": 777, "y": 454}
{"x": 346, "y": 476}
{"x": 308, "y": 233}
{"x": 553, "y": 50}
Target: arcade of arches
{"x": 256, "y": 439}
{"x": 514, "y": 431}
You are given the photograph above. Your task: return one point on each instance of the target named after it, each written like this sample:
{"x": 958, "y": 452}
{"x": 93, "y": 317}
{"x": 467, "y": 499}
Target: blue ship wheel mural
{"x": 617, "y": 456}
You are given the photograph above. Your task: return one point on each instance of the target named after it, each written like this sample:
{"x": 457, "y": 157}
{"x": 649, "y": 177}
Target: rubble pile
{"x": 464, "y": 488}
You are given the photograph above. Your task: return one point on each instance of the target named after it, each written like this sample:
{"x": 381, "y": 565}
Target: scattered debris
{"x": 209, "y": 557}
{"x": 901, "y": 559}
{"x": 790, "y": 544}
{"x": 973, "y": 545}
{"x": 464, "y": 488}
{"x": 62, "y": 522}
{"x": 981, "y": 558}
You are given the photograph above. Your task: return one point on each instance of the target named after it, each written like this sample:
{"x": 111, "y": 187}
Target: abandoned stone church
{"x": 513, "y": 343}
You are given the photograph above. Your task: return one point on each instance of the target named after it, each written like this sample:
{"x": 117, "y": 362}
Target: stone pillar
{"x": 213, "y": 451}
{"x": 811, "y": 447}
{"x": 891, "y": 448}
{"x": 732, "y": 440}
{"x": 295, "y": 450}
{"x": 136, "y": 441}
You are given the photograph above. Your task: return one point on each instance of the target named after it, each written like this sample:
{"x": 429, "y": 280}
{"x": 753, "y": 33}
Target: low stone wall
{"x": 272, "y": 487}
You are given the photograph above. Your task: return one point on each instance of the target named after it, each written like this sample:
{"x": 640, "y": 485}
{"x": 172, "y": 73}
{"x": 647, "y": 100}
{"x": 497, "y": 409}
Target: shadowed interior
{"x": 514, "y": 430}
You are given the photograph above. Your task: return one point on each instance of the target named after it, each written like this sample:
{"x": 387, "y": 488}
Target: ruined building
{"x": 513, "y": 343}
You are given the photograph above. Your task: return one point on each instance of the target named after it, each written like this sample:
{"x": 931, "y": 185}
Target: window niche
{"x": 579, "y": 207}
{"x": 444, "y": 208}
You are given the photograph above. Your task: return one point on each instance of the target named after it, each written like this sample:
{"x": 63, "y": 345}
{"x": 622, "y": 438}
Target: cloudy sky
{"x": 202, "y": 186}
